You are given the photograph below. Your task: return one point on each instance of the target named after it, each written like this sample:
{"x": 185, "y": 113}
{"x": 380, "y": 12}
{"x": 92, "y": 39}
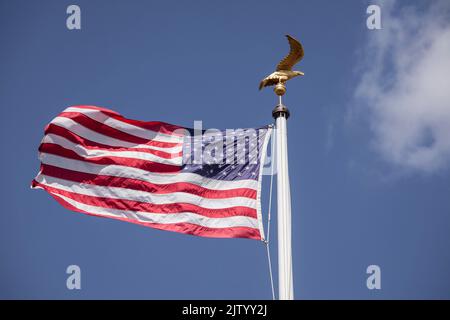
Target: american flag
{"x": 199, "y": 182}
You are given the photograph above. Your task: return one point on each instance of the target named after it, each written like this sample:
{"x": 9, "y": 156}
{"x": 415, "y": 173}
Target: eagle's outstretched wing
{"x": 295, "y": 55}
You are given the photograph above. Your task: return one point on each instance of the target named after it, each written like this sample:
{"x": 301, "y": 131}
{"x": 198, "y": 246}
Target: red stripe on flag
{"x": 104, "y": 110}
{"x": 140, "y": 185}
{"x": 69, "y": 135}
{"x": 104, "y": 129}
{"x": 186, "y": 228}
{"x": 156, "y": 126}
{"x": 130, "y": 205}
{"x": 129, "y": 162}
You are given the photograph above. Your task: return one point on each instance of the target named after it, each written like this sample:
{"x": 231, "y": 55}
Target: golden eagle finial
{"x": 284, "y": 70}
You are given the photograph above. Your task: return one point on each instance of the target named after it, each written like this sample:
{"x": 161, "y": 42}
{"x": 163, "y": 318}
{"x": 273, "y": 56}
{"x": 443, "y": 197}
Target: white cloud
{"x": 405, "y": 85}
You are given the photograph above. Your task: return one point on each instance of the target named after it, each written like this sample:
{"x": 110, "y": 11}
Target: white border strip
{"x": 258, "y": 191}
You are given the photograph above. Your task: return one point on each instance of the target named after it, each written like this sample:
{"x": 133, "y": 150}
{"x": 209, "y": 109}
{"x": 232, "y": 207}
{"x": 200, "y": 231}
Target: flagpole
{"x": 285, "y": 275}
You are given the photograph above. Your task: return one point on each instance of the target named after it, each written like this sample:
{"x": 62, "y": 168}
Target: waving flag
{"x": 206, "y": 183}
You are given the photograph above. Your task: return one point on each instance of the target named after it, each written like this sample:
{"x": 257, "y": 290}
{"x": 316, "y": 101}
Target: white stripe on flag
{"x": 92, "y": 153}
{"x": 99, "y": 116}
{"x": 86, "y": 133}
{"x": 142, "y": 196}
{"x": 136, "y": 173}
{"x": 183, "y": 217}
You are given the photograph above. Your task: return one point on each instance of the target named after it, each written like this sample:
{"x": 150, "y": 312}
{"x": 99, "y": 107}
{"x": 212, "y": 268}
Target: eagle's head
{"x": 299, "y": 73}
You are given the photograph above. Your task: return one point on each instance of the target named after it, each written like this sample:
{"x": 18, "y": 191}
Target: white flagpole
{"x": 285, "y": 275}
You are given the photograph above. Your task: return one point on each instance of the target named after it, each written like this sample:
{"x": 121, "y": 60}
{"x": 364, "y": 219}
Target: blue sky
{"x": 368, "y": 143}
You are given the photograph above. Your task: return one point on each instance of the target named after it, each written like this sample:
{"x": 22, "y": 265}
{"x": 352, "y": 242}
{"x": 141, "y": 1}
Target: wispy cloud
{"x": 404, "y": 88}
